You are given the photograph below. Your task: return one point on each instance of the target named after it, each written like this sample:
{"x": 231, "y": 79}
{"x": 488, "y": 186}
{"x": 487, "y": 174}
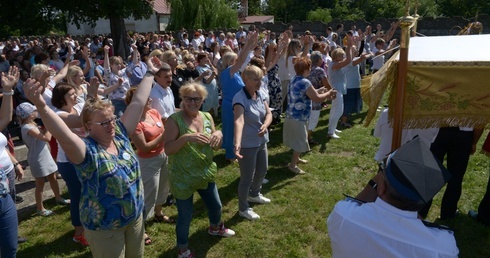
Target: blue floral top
{"x": 299, "y": 104}
{"x": 112, "y": 189}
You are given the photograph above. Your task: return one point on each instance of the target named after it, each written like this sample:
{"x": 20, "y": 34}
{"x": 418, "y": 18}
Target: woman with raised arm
{"x": 111, "y": 203}
{"x": 337, "y": 79}
{"x": 8, "y": 213}
{"x": 231, "y": 83}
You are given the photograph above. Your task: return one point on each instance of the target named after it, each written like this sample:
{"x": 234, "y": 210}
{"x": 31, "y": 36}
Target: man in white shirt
{"x": 161, "y": 94}
{"x": 383, "y": 220}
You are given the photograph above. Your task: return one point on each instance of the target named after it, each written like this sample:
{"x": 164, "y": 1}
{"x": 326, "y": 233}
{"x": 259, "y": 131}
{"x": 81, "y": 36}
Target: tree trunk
{"x": 119, "y": 37}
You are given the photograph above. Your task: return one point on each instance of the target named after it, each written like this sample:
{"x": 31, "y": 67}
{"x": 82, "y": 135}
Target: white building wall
{"x": 103, "y": 26}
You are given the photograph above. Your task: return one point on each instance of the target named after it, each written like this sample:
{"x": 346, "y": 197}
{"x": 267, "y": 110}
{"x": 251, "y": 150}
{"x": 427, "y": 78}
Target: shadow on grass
{"x": 63, "y": 246}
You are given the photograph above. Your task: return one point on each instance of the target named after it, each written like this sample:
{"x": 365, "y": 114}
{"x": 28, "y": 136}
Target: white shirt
{"x": 162, "y": 100}
{"x": 384, "y": 131}
{"x": 378, "y": 229}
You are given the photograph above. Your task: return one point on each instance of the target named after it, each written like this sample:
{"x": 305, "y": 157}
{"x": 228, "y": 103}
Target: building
{"x": 157, "y": 22}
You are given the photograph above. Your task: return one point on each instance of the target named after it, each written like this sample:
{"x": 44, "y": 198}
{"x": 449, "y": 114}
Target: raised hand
{"x": 93, "y": 87}
{"x": 34, "y": 92}
{"x": 10, "y": 79}
{"x": 154, "y": 64}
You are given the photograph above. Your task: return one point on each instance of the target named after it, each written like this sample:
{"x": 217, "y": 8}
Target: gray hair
{"x": 315, "y": 57}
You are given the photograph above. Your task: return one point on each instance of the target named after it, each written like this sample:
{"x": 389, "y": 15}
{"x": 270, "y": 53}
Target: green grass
{"x": 293, "y": 225}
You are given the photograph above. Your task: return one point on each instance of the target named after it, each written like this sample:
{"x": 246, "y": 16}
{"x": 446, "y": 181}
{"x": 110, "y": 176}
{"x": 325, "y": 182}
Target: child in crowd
{"x": 41, "y": 163}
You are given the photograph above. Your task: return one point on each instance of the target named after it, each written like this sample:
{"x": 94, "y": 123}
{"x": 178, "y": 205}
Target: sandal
{"x": 164, "y": 219}
{"x": 148, "y": 240}
{"x": 45, "y": 213}
{"x": 63, "y": 201}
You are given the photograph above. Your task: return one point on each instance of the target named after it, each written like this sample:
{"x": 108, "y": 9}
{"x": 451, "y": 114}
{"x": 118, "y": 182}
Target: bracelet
{"x": 8, "y": 93}
{"x": 150, "y": 73}
{"x": 15, "y": 164}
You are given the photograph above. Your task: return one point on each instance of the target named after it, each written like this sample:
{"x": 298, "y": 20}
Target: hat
{"x": 414, "y": 172}
{"x": 24, "y": 110}
{"x": 307, "y": 32}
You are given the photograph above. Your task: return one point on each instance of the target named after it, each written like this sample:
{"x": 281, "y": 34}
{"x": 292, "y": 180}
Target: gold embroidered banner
{"x": 437, "y": 94}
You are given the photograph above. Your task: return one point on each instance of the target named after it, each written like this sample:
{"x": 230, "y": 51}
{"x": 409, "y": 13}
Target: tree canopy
{"x": 194, "y": 14}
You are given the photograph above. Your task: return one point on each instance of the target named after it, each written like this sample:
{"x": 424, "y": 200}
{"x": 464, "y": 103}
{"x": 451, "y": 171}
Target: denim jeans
{"x": 69, "y": 174}
{"x": 119, "y": 107}
{"x": 210, "y": 197}
{"x": 8, "y": 227}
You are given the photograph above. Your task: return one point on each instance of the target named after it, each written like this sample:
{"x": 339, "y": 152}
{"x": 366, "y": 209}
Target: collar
{"x": 248, "y": 94}
{"x": 386, "y": 206}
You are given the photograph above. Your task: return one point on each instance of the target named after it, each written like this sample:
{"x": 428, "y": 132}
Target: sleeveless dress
{"x": 192, "y": 167}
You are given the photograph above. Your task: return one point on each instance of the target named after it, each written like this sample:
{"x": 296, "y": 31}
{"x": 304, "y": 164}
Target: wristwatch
{"x": 150, "y": 73}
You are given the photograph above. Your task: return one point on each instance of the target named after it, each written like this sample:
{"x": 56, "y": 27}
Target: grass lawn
{"x": 293, "y": 225}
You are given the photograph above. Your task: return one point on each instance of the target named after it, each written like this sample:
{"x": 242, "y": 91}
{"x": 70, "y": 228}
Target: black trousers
{"x": 484, "y": 208}
{"x": 455, "y": 145}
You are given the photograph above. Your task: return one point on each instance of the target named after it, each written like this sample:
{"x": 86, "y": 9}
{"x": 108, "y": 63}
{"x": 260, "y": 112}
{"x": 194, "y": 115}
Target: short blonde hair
{"x": 190, "y": 88}
{"x": 73, "y": 71}
{"x": 167, "y": 55}
{"x": 227, "y": 58}
{"x": 38, "y": 70}
{"x": 91, "y": 106}
{"x": 252, "y": 71}
{"x": 338, "y": 52}
{"x": 158, "y": 53}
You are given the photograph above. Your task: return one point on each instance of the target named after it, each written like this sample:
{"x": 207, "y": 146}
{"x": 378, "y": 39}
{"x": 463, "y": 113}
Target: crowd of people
{"x": 126, "y": 133}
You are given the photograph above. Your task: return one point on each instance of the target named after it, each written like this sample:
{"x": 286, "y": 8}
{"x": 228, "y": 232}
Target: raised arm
{"x": 88, "y": 64}
{"x": 132, "y": 115}
{"x": 9, "y": 80}
{"x": 252, "y": 38}
{"x": 73, "y": 146}
{"x": 348, "y": 56}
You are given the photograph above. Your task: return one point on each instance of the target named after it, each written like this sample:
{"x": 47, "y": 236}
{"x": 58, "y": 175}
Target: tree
{"x": 320, "y": 14}
{"x": 89, "y": 11}
{"x": 205, "y": 14}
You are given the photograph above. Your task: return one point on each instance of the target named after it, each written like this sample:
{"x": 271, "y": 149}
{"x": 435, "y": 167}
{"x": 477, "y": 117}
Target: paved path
{"x": 25, "y": 188}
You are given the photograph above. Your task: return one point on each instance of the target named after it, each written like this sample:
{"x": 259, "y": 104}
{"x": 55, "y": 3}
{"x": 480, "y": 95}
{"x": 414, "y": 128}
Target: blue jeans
{"x": 69, "y": 174}
{"x": 210, "y": 197}
{"x": 119, "y": 107}
{"x": 8, "y": 227}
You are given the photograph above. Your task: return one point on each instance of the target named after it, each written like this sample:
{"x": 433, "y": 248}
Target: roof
{"x": 254, "y": 19}
{"x": 161, "y": 7}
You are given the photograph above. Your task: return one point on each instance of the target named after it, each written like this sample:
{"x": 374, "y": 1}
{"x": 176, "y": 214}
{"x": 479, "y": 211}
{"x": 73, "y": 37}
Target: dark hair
{"x": 201, "y": 56}
{"x": 256, "y": 61}
{"x": 59, "y": 92}
{"x": 40, "y": 57}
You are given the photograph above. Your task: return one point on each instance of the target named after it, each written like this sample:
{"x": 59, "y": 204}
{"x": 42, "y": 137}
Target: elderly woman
{"x": 252, "y": 117}
{"x": 190, "y": 137}
{"x": 300, "y": 95}
{"x": 318, "y": 78}
{"x": 111, "y": 203}
{"x": 8, "y": 214}
{"x": 337, "y": 79}
{"x": 231, "y": 83}
{"x": 148, "y": 139}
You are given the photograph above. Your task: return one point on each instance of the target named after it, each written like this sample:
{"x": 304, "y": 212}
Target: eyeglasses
{"x": 195, "y": 100}
{"x": 106, "y": 123}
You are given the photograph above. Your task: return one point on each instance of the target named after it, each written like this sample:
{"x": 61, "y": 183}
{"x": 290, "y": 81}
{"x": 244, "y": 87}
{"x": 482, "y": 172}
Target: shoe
{"x": 337, "y": 131}
{"x": 164, "y": 219}
{"x": 21, "y": 240}
{"x": 58, "y": 176}
{"x": 186, "y": 254}
{"x": 473, "y": 214}
{"x": 221, "y": 231}
{"x": 296, "y": 170}
{"x": 346, "y": 125}
{"x": 333, "y": 136}
{"x": 259, "y": 199}
{"x": 45, "y": 213}
{"x": 265, "y": 181}
{"x": 249, "y": 214}
{"x": 312, "y": 142}
{"x": 80, "y": 239}
{"x": 18, "y": 199}
{"x": 302, "y": 161}
{"x": 63, "y": 201}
